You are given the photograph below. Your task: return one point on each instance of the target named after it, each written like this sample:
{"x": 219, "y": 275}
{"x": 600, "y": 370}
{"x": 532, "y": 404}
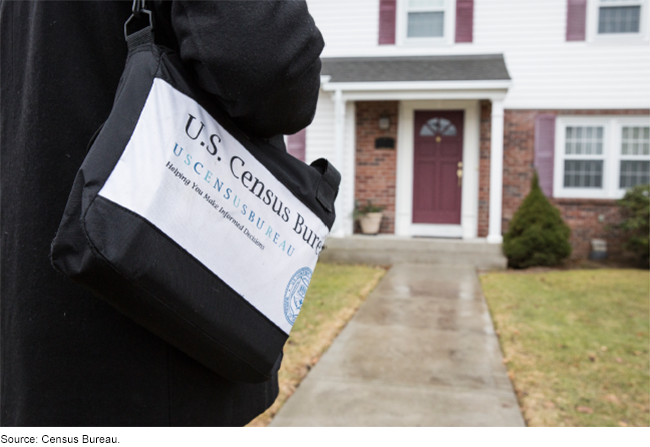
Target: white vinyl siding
{"x": 547, "y": 71}
{"x": 320, "y": 133}
{"x": 347, "y": 24}
{"x": 320, "y": 143}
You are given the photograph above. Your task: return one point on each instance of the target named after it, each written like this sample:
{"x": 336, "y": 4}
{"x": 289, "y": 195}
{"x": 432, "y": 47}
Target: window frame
{"x": 622, "y": 157}
{"x": 593, "y": 14}
{"x": 612, "y": 154}
{"x": 449, "y": 23}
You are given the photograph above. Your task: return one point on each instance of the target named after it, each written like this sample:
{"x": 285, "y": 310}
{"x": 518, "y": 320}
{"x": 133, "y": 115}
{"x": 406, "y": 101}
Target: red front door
{"x": 437, "y": 166}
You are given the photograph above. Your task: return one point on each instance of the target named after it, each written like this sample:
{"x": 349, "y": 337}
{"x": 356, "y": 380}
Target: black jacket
{"x": 67, "y": 358}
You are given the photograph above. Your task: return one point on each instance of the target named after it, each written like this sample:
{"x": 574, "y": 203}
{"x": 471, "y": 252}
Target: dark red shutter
{"x": 296, "y": 144}
{"x": 576, "y": 19}
{"x": 545, "y": 151}
{"x": 387, "y": 12}
{"x": 464, "y": 20}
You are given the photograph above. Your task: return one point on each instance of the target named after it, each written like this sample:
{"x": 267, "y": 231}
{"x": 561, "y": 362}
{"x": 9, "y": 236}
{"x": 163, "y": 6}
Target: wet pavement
{"x": 421, "y": 351}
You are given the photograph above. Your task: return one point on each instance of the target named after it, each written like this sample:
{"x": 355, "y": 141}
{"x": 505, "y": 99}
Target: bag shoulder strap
{"x": 142, "y": 21}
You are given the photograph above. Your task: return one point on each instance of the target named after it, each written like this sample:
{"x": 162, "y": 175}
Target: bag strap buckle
{"x": 143, "y": 33}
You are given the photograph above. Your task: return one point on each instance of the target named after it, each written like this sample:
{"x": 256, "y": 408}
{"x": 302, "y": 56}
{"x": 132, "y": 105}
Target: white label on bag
{"x": 194, "y": 181}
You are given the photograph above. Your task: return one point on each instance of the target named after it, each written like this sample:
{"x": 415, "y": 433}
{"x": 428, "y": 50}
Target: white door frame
{"x": 404, "y": 225}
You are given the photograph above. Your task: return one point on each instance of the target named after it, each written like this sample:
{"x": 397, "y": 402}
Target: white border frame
{"x": 561, "y": 124}
{"x": 449, "y": 32}
{"x": 616, "y": 38}
{"x": 404, "y": 226}
{"x": 612, "y": 134}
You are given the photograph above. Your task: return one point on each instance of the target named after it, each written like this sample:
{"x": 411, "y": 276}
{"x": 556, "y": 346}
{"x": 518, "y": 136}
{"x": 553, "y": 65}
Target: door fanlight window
{"x": 438, "y": 126}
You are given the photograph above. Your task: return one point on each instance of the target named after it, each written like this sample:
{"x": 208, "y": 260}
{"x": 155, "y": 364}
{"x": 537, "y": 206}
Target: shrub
{"x": 537, "y": 234}
{"x": 635, "y": 209}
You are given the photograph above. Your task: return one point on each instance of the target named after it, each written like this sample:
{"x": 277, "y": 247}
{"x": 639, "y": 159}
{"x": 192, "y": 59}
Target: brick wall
{"x": 376, "y": 172}
{"x": 484, "y": 169}
{"x": 518, "y": 156}
{"x": 376, "y": 168}
{"x": 588, "y": 218}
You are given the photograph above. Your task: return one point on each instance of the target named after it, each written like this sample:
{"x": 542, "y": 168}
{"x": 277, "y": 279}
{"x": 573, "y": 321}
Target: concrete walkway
{"x": 421, "y": 351}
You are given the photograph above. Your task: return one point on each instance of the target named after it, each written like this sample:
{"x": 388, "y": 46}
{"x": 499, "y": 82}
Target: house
{"x": 441, "y": 110}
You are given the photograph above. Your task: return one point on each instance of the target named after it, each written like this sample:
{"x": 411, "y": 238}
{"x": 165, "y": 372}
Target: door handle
{"x": 459, "y": 173}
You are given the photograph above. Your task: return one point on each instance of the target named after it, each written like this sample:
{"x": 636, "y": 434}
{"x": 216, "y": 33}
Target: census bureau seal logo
{"x": 295, "y": 293}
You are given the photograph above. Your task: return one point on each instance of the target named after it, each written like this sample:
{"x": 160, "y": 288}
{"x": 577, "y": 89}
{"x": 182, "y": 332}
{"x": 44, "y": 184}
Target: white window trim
{"x": 449, "y": 31}
{"x": 592, "y": 24}
{"x": 612, "y": 135}
{"x": 621, "y": 157}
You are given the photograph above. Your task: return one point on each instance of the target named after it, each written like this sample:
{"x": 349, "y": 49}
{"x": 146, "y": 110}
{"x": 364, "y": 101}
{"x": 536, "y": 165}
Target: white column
{"x": 496, "y": 173}
{"x": 349, "y": 159}
{"x": 339, "y": 141}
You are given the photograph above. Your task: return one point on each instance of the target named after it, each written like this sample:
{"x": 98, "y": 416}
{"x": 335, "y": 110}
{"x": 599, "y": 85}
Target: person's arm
{"x": 260, "y": 60}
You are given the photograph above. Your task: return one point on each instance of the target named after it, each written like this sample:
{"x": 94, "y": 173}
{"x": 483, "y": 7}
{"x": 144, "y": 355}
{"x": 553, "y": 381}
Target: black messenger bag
{"x": 202, "y": 234}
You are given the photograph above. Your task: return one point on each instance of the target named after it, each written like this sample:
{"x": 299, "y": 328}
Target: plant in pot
{"x": 369, "y": 216}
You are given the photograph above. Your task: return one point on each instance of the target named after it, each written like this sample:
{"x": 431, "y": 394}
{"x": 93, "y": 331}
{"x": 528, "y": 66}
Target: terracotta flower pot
{"x": 370, "y": 223}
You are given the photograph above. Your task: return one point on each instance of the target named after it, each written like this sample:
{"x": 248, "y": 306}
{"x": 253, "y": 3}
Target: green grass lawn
{"x": 335, "y": 293}
{"x": 575, "y": 344}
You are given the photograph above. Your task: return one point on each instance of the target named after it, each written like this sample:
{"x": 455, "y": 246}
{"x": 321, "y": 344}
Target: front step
{"x": 389, "y": 249}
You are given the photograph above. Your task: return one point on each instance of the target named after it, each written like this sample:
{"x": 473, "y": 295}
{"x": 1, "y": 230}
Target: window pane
{"x": 438, "y": 126}
{"x": 619, "y": 19}
{"x": 583, "y": 173}
{"x": 584, "y": 140}
{"x": 425, "y": 24}
{"x": 636, "y": 141}
{"x": 634, "y": 173}
{"x": 449, "y": 131}
{"x": 426, "y": 4}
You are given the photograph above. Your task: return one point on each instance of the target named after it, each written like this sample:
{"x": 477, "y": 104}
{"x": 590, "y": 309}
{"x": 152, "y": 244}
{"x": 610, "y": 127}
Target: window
{"x": 619, "y": 16}
{"x": 616, "y": 20}
{"x": 425, "y": 18}
{"x": 426, "y": 21}
{"x": 635, "y": 156}
{"x": 438, "y": 126}
{"x": 583, "y": 165}
{"x": 600, "y": 157}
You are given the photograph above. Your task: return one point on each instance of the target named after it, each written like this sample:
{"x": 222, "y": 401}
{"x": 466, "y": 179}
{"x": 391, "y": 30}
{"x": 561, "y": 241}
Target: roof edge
{"x": 439, "y": 57}
{"x": 415, "y": 85}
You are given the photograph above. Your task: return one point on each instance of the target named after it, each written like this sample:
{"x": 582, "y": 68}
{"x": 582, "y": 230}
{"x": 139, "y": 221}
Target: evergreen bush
{"x": 635, "y": 209}
{"x": 537, "y": 235}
